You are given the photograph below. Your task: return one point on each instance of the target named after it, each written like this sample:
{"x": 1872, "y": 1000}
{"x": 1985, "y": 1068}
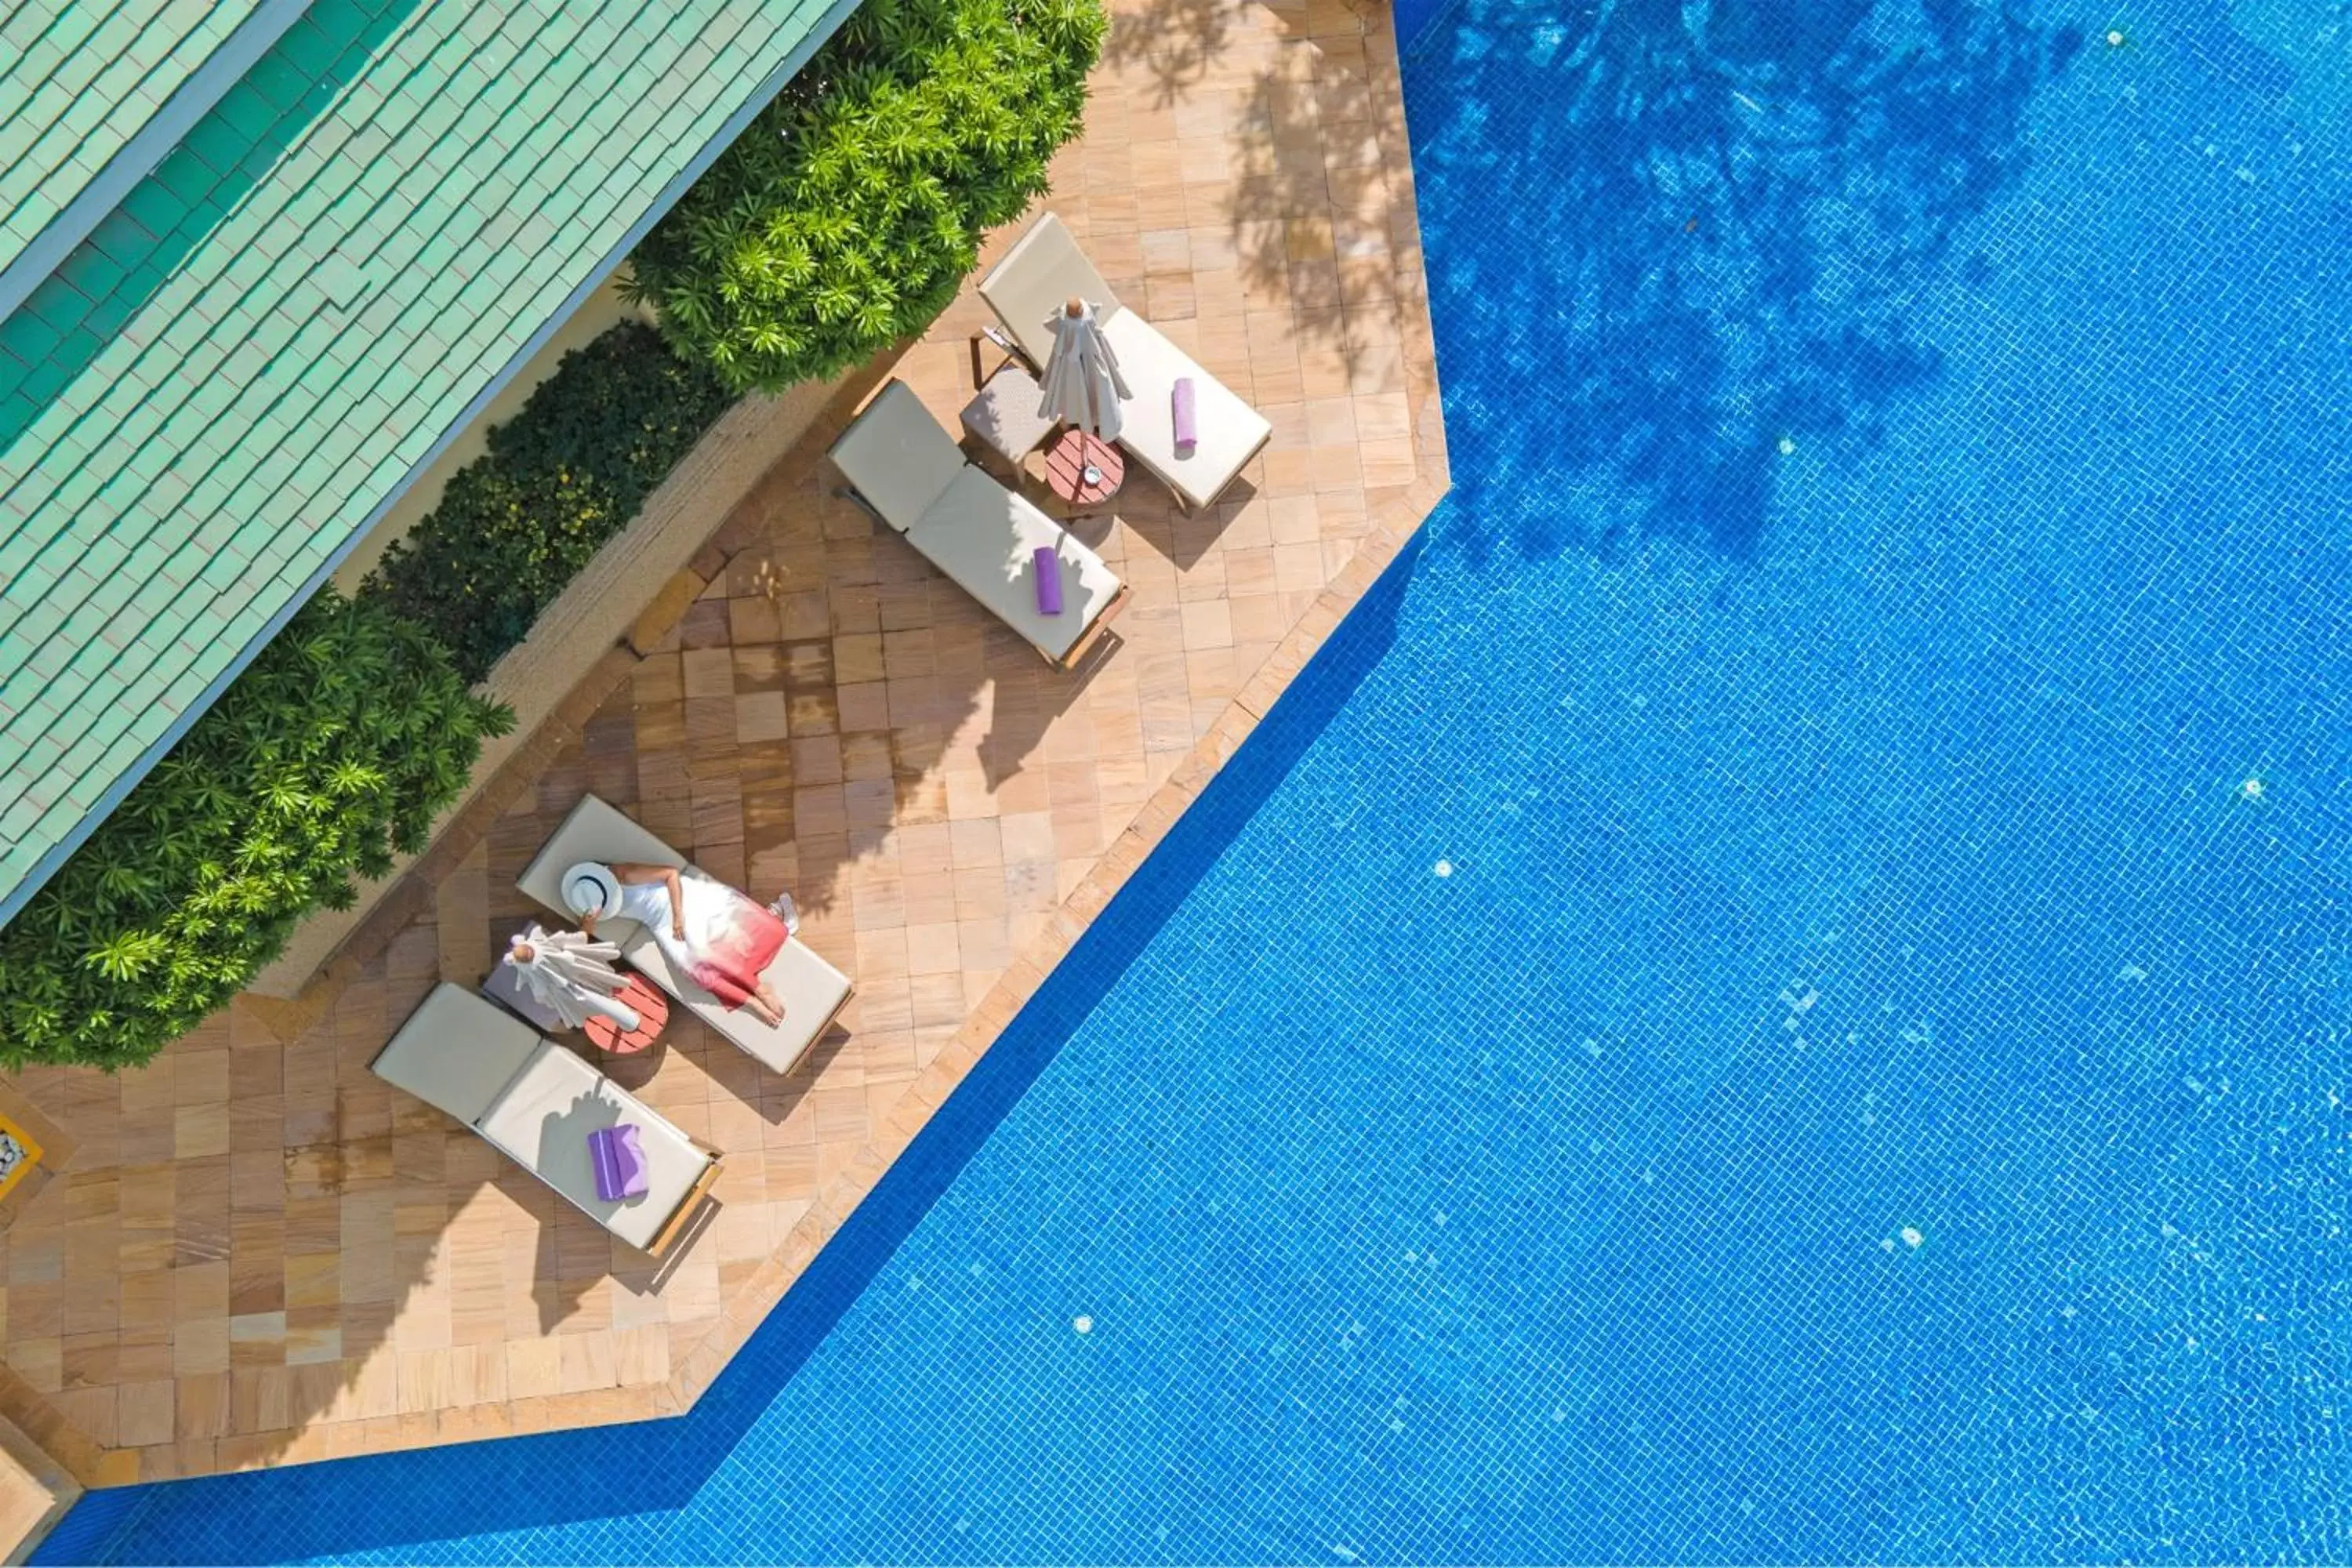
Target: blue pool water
{"x": 1870, "y": 1083}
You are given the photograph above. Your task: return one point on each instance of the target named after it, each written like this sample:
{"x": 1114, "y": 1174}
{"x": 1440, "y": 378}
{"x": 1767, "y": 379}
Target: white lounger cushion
{"x": 541, "y": 1108}
{"x": 542, "y": 1119}
{"x": 986, "y": 538}
{"x": 456, "y": 1052}
{"x": 1229, "y": 430}
{"x": 981, "y": 535}
{"x": 900, "y": 459}
{"x": 1041, "y": 271}
{"x": 812, "y": 989}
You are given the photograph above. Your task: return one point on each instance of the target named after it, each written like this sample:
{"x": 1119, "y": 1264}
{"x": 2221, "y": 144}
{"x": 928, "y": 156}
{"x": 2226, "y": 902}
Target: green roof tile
{"x": 79, "y": 82}
{"x": 245, "y": 360}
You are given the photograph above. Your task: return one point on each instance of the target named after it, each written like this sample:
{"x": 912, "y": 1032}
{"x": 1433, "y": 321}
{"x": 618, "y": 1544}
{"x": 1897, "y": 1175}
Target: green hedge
{"x": 334, "y": 748}
{"x": 845, "y": 218}
{"x": 565, "y": 474}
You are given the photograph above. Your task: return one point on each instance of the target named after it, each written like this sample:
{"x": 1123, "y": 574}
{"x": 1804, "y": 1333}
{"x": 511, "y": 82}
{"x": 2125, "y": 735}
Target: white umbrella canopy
{"x": 573, "y": 976}
{"x": 1082, "y": 382}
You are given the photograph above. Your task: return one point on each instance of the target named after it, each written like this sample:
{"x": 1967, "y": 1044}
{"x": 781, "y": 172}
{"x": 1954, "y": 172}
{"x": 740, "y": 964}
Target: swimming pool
{"x": 1779, "y": 992}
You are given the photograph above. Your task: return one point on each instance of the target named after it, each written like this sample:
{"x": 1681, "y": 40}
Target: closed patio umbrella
{"x": 1083, "y": 384}
{"x": 572, "y": 974}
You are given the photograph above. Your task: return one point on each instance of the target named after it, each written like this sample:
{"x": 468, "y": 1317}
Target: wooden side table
{"x": 653, "y": 1012}
{"x": 1065, "y": 468}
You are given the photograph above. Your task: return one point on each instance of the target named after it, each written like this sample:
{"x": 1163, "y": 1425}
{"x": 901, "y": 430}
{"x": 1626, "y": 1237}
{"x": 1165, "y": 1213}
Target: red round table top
{"x": 653, "y": 1012}
{"x": 1066, "y": 468}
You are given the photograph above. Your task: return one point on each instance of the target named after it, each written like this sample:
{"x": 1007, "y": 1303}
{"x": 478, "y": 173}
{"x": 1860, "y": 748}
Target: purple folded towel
{"x": 1184, "y": 416}
{"x": 1049, "y": 581}
{"x": 622, "y": 1171}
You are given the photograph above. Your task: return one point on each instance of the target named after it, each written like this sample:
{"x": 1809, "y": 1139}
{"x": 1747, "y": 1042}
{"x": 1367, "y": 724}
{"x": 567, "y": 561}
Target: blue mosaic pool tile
{"x": 1778, "y": 994}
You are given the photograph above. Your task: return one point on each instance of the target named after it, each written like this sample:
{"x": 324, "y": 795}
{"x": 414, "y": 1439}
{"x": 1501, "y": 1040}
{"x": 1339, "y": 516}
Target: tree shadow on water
{"x": 1668, "y": 239}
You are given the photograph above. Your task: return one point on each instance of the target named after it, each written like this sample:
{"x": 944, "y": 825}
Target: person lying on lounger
{"x": 706, "y": 928}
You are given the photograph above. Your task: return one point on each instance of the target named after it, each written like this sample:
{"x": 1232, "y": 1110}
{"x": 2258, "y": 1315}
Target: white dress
{"x": 647, "y": 903}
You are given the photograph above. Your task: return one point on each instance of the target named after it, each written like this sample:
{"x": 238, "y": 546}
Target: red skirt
{"x": 734, "y": 940}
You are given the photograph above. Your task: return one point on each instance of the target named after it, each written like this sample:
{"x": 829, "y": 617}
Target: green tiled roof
{"x": 219, "y": 389}
{"x": 78, "y": 80}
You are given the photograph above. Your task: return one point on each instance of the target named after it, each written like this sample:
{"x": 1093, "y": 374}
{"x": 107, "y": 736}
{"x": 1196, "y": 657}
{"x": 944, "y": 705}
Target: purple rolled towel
{"x": 1049, "y": 581}
{"x": 620, "y": 1164}
{"x": 1184, "y": 416}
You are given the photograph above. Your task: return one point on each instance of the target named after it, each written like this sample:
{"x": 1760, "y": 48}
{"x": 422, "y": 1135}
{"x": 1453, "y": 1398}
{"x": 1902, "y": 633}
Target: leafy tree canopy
{"x": 849, "y": 212}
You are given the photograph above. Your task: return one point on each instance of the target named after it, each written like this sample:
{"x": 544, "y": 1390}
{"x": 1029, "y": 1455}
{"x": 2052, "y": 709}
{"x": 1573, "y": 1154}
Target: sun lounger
{"x": 813, "y": 991}
{"x": 1032, "y": 282}
{"x": 536, "y": 1102}
{"x": 910, "y": 474}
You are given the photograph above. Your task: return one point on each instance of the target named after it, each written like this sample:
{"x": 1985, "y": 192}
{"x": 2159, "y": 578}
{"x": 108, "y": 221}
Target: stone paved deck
{"x": 258, "y": 1253}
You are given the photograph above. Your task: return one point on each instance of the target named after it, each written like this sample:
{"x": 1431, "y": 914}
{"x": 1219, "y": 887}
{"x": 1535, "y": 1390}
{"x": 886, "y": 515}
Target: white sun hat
{"x": 590, "y": 887}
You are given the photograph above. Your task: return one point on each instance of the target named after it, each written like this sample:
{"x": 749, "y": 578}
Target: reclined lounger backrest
{"x": 593, "y": 830}
{"x": 897, "y": 457}
{"x": 457, "y": 1053}
{"x": 1036, "y": 278}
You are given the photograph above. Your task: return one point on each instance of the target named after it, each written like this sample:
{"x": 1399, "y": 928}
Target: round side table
{"x": 1065, "y": 468}
{"x": 653, "y": 1012}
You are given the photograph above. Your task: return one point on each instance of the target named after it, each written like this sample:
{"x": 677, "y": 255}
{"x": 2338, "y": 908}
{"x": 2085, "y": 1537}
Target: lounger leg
{"x": 830, "y": 1019}
{"x": 1005, "y": 346}
{"x": 862, "y": 504}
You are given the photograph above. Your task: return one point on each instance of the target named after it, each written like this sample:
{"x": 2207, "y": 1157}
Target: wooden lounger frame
{"x": 691, "y": 1204}
{"x": 1086, "y": 643}
{"x": 822, "y": 1029}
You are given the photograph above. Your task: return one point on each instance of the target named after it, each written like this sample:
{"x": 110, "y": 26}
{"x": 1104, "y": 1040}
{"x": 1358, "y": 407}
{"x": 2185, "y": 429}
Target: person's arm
{"x": 633, "y": 873}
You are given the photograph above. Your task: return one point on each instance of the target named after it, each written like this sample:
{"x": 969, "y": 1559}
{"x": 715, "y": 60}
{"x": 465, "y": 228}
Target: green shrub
{"x": 334, "y": 749}
{"x": 562, "y": 477}
{"x": 845, "y": 216}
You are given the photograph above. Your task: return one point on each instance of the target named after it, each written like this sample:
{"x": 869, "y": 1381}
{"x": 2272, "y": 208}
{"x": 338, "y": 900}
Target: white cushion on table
{"x": 507, "y": 988}
{"x": 1003, "y": 413}
{"x": 456, "y": 1052}
{"x": 542, "y": 1119}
